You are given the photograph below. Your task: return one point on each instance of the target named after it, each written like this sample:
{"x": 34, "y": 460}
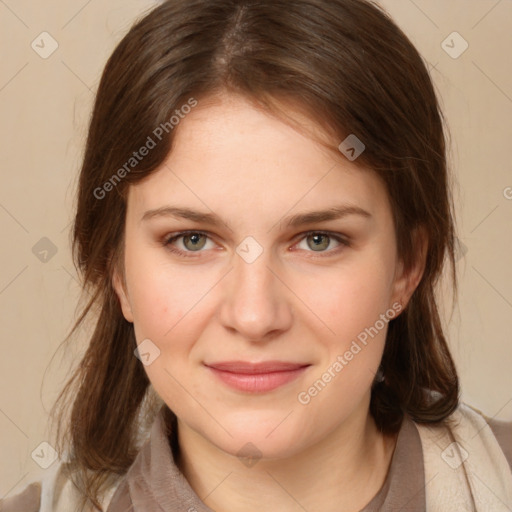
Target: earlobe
{"x": 407, "y": 280}
{"x": 122, "y": 295}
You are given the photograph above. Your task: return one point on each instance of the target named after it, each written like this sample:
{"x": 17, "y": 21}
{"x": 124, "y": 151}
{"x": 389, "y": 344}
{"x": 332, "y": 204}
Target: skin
{"x": 295, "y": 302}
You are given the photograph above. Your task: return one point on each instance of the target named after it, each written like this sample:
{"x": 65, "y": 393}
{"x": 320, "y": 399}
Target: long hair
{"x": 353, "y": 71}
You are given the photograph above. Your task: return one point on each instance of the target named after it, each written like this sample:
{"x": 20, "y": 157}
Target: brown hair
{"x": 353, "y": 71}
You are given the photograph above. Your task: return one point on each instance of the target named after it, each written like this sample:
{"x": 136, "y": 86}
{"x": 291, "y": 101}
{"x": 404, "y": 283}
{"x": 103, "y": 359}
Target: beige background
{"x": 45, "y": 105}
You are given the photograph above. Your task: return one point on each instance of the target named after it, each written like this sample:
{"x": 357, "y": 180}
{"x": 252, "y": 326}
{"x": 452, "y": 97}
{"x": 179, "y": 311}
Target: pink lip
{"x": 256, "y": 377}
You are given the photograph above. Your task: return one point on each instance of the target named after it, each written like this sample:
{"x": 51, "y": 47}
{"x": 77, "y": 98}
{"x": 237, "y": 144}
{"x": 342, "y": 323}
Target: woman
{"x": 263, "y": 214}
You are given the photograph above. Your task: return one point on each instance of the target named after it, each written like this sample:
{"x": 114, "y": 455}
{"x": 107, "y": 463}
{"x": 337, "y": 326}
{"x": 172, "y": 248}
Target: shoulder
{"x": 502, "y": 430}
{"x": 41, "y": 493}
{"x": 28, "y": 500}
{"x": 460, "y": 452}
{"x": 51, "y": 491}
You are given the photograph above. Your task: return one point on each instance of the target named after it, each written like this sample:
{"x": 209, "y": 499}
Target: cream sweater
{"x": 465, "y": 468}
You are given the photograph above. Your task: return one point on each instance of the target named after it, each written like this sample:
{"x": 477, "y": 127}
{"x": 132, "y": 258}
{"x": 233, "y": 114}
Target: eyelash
{"x": 189, "y": 254}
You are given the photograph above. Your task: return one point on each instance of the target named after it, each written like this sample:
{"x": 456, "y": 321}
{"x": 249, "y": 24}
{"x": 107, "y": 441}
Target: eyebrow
{"x": 300, "y": 219}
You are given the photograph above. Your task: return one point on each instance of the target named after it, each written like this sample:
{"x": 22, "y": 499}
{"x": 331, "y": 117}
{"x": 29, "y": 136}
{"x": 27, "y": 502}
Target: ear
{"x": 407, "y": 280}
{"x": 120, "y": 289}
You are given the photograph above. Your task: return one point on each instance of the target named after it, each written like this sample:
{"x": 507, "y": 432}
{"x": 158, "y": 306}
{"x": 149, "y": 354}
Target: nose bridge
{"x": 254, "y": 277}
{"x": 255, "y": 301}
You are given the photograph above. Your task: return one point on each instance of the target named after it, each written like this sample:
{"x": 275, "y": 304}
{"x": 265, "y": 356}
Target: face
{"x": 253, "y": 280}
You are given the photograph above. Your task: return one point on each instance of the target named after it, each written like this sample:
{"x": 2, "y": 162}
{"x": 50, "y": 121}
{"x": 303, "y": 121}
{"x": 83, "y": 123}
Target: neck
{"x": 342, "y": 472}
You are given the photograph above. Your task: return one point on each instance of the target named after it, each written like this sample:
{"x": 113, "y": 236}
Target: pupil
{"x": 194, "y": 239}
{"x": 317, "y": 240}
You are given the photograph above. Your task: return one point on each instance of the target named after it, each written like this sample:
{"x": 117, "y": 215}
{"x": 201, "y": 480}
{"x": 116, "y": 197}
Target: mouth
{"x": 256, "y": 377}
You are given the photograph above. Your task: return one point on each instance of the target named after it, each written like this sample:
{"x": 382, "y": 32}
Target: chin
{"x": 249, "y": 450}
{"x": 271, "y": 437}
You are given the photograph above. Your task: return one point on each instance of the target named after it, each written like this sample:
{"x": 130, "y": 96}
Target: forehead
{"x": 229, "y": 155}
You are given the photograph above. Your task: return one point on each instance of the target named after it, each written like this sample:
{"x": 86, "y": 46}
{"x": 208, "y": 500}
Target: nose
{"x": 256, "y": 301}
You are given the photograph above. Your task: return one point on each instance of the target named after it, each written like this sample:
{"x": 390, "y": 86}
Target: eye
{"x": 319, "y": 241}
{"x": 192, "y": 241}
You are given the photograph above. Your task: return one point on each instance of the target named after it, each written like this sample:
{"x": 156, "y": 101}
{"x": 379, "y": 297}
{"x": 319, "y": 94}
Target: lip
{"x": 256, "y": 377}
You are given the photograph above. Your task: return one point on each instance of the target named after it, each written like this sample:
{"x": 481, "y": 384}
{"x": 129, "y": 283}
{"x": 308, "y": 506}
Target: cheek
{"x": 171, "y": 308}
{"x": 352, "y": 298}
{"x": 354, "y": 306}
{"x": 155, "y": 308}
{"x": 167, "y": 310}
{"x": 162, "y": 295}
